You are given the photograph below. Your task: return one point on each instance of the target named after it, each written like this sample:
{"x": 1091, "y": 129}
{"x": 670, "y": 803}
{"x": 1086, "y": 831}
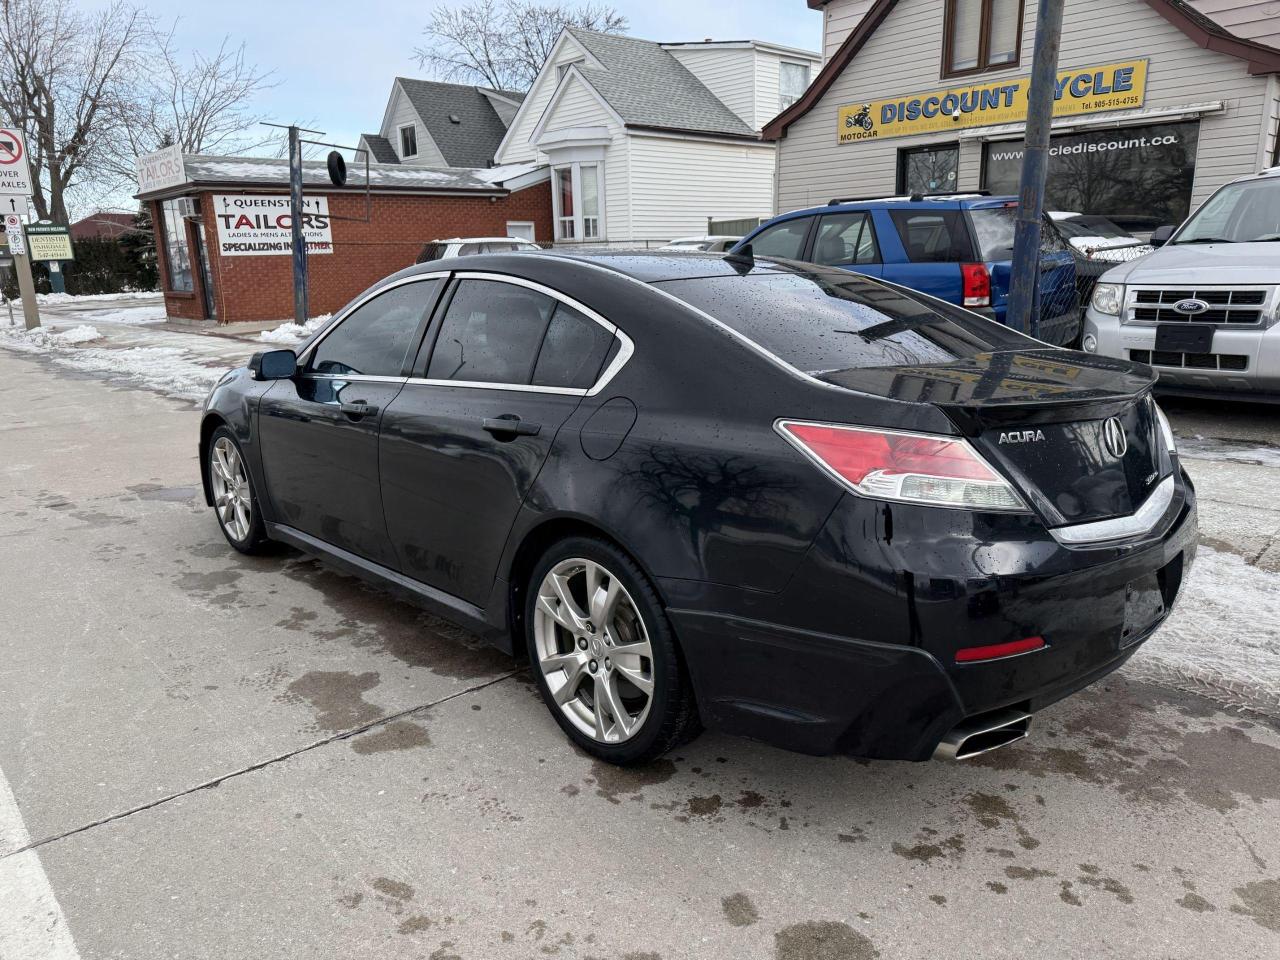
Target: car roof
{"x": 652, "y": 266}
{"x": 949, "y": 202}
{"x": 484, "y": 240}
{"x": 704, "y": 239}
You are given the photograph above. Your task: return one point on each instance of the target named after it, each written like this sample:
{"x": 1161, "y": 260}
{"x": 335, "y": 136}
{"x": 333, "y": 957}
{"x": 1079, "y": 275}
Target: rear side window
{"x": 933, "y": 236}
{"x": 491, "y": 333}
{"x": 845, "y": 238}
{"x": 431, "y": 251}
{"x": 374, "y": 338}
{"x": 820, "y": 320}
{"x": 784, "y": 240}
{"x": 573, "y": 350}
{"x": 993, "y": 229}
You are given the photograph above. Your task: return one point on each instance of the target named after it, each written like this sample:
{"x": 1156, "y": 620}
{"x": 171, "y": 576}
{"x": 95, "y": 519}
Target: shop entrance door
{"x": 931, "y": 169}
{"x": 206, "y": 274}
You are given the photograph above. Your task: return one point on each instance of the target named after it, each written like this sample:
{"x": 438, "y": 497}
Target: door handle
{"x": 358, "y": 409}
{"x": 510, "y": 426}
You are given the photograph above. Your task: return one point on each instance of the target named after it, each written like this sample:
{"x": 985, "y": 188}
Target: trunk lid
{"x": 1041, "y": 418}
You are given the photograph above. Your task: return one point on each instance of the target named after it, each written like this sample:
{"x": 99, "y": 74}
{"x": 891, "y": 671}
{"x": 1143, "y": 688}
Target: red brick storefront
{"x": 244, "y": 288}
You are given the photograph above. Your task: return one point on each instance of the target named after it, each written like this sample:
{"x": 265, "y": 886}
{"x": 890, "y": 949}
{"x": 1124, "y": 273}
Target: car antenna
{"x": 741, "y": 259}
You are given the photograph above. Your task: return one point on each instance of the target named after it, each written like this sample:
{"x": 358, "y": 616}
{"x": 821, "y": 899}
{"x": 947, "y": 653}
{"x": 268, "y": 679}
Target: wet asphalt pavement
{"x": 224, "y": 757}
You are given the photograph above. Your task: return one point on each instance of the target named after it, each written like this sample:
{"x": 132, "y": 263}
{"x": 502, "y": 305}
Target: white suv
{"x": 466, "y": 246}
{"x": 1204, "y": 308}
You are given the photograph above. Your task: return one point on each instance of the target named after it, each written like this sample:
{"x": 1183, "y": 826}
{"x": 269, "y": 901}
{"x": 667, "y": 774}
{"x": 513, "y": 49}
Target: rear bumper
{"x": 856, "y": 655}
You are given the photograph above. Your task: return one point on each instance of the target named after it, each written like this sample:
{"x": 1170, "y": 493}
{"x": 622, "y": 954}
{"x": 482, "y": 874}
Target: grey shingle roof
{"x": 474, "y": 139}
{"x": 648, "y": 87}
{"x": 380, "y": 148}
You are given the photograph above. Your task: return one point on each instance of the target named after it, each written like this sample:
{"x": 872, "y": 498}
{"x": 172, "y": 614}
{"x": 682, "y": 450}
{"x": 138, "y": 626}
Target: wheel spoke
{"x": 569, "y": 689}
{"x": 635, "y": 678}
{"x": 561, "y": 661}
{"x": 603, "y": 599}
{"x": 567, "y": 603}
{"x": 609, "y": 696}
{"x": 559, "y": 613}
{"x": 601, "y": 727}
{"x": 637, "y": 648}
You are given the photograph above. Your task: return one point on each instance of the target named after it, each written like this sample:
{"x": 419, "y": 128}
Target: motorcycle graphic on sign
{"x": 860, "y": 119}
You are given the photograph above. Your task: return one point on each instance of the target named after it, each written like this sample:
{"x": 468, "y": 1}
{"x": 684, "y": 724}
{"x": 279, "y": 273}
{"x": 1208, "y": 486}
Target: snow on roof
{"x": 274, "y": 171}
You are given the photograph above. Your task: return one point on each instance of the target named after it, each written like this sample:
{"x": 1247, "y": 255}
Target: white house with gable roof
{"x": 648, "y": 141}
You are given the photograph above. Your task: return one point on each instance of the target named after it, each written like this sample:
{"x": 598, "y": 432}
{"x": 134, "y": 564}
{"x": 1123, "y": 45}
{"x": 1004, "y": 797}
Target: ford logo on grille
{"x": 1191, "y": 307}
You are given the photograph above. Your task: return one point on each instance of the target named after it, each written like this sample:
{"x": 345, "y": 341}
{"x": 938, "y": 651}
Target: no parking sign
{"x": 15, "y": 177}
{"x": 13, "y": 230}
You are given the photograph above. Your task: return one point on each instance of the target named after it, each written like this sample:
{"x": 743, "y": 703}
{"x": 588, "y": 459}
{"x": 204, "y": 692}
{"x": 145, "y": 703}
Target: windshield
{"x": 824, "y": 320}
{"x": 1238, "y": 213}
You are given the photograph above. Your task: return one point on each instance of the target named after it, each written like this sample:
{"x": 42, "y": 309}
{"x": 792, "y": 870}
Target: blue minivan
{"x": 957, "y": 248}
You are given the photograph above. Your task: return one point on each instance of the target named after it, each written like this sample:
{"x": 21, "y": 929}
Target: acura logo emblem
{"x": 1114, "y": 439}
{"x": 1191, "y": 307}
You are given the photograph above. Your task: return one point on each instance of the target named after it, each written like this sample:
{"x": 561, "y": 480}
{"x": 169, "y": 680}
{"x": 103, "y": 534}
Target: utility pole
{"x": 1023, "y": 311}
{"x": 295, "y": 216}
{"x": 26, "y": 290}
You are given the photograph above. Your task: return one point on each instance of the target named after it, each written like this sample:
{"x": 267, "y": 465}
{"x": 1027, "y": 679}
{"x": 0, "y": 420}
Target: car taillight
{"x": 977, "y": 284}
{"x": 910, "y": 467}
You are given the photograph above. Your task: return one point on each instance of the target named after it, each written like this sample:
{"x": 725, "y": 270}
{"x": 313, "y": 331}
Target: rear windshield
{"x": 993, "y": 229}
{"x": 819, "y": 321}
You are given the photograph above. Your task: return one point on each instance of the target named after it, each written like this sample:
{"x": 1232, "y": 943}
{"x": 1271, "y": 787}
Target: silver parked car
{"x": 1204, "y": 308}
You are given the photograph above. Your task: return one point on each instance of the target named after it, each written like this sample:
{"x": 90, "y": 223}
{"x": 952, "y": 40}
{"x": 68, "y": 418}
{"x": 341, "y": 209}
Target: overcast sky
{"x": 334, "y": 61}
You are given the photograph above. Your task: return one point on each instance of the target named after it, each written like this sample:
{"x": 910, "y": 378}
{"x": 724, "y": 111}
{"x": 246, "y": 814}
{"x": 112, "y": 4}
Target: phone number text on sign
{"x": 255, "y": 225}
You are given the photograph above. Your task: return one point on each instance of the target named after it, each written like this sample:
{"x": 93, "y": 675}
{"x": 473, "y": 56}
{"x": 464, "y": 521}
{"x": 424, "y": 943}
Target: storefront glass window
{"x": 176, "y": 249}
{"x": 1137, "y": 177}
{"x": 928, "y": 169}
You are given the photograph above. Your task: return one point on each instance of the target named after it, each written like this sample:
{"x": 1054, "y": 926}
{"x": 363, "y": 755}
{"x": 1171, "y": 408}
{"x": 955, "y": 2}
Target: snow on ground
{"x": 291, "y": 333}
{"x": 143, "y": 314}
{"x": 56, "y": 298}
{"x": 168, "y": 370}
{"x": 1223, "y": 637}
{"x": 1235, "y": 451}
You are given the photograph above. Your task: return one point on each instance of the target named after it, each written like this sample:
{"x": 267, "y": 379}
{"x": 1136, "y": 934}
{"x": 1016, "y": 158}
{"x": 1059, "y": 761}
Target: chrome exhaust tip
{"x": 983, "y": 734}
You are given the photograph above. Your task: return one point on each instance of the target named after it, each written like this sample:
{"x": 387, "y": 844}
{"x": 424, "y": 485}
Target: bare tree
{"x": 65, "y": 80}
{"x": 201, "y": 102}
{"x": 504, "y": 43}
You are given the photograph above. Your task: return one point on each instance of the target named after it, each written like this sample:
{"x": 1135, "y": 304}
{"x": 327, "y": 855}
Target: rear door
{"x": 928, "y": 245}
{"x": 319, "y": 431}
{"x": 847, "y": 240}
{"x": 505, "y": 364}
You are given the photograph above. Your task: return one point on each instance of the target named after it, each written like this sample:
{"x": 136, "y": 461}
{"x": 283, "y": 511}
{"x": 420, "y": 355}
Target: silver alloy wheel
{"x": 231, "y": 497}
{"x": 593, "y": 649}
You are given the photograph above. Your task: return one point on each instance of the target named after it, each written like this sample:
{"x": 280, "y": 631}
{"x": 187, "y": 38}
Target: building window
{"x": 564, "y": 207}
{"x": 579, "y": 207}
{"x": 590, "y": 202}
{"x": 931, "y": 169}
{"x": 409, "y": 141}
{"x": 177, "y": 249}
{"x": 793, "y": 79}
{"x": 981, "y": 35}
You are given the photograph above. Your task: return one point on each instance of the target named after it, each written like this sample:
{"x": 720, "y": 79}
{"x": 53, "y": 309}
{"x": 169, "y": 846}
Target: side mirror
{"x": 273, "y": 365}
{"x": 1160, "y": 235}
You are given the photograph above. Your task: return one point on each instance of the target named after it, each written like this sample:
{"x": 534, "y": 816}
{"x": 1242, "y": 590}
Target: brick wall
{"x": 261, "y": 287}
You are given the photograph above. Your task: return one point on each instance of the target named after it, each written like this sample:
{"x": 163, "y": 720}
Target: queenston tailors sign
{"x": 256, "y": 225}
{"x": 1114, "y": 86}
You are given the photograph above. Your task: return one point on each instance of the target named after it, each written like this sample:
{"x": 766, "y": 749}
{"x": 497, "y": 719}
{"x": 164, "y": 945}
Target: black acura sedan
{"x": 781, "y": 500}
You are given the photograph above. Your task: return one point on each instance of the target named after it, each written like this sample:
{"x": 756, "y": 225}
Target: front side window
{"x": 845, "y": 238}
{"x": 793, "y": 79}
{"x": 933, "y": 236}
{"x": 177, "y": 249}
{"x": 785, "y": 240}
{"x": 981, "y": 35}
{"x": 491, "y": 333}
{"x": 409, "y": 141}
{"x": 374, "y": 338}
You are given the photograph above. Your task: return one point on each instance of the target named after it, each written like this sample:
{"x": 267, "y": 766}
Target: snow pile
{"x": 290, "y": 333}
{"x": 1233, "y": 451}
{"x": 42, "y": 339}
{"x": 169, "y": 370}
{"x": 1223, "y": 637}
{"x": 56, "y": 298}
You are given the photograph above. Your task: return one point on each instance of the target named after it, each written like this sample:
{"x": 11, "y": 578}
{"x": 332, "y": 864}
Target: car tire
{"x": 588, "y": 673}
{"x": 235, "y": 501}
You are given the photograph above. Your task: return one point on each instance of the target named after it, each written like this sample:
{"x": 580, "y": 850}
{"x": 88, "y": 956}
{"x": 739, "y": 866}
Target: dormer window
{"x": 409, "y": 141}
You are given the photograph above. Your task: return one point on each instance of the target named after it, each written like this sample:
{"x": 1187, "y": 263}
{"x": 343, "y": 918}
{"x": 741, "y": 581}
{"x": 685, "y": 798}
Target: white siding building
{"x": 650, "y": 141}
{"x": 1161, "y": 103}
